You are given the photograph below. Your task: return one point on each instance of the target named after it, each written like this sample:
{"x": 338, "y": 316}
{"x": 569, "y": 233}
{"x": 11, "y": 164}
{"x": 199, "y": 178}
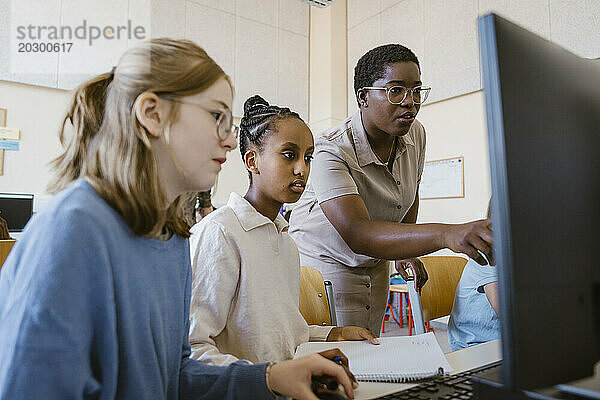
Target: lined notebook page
{"x": 396, "y": 359}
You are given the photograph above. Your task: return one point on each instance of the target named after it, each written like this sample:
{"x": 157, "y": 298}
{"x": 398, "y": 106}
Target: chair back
{"x": 314, "y": 302}
{"x": 5, "y": 246}
{"x": 437, "y": 296}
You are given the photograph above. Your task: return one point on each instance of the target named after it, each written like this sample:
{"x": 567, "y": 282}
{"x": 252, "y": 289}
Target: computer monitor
{"x": 543, "y": 118}
{"x": 16, "y": 209}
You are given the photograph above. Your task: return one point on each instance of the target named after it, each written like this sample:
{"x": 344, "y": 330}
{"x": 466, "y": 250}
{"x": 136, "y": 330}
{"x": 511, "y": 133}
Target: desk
{"x": 461, "y": 360}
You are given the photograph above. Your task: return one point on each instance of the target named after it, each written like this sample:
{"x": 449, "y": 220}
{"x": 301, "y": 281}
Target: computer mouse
{"x": 331, "y": 396}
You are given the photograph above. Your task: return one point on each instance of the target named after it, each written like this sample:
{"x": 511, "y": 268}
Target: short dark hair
{"x": 371, "y": 65}
{"x": 259, "y": 118}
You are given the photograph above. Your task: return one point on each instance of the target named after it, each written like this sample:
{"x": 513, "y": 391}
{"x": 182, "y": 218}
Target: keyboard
{"x": 448, "y": 387}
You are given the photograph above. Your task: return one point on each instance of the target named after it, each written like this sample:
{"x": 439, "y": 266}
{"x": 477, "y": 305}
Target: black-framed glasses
{"x": 224, "y": 119}
{"x": 397, "y": 94}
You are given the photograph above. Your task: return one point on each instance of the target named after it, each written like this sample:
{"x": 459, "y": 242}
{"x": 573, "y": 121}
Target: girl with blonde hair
{"x": 94, "y": 299}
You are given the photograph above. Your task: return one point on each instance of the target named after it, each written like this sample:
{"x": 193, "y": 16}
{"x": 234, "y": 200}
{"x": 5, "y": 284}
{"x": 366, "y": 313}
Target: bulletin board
{"x": 443, "y": 179}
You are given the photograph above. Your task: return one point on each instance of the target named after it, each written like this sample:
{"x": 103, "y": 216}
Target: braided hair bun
{"x": 259, "y": 118}
{"x": 254, "y": 102}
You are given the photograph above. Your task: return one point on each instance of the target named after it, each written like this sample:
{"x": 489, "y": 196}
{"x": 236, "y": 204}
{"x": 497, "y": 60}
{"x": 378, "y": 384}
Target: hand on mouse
{"x": 326, "y": 387}
{"x": 294, "y": 378}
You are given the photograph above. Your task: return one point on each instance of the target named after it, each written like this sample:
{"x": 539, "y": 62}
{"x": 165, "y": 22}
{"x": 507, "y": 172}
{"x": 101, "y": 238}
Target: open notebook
{"x": 396, "y": 359}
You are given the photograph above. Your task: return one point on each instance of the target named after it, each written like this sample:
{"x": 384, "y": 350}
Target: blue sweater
{"x": 88, "y": 310}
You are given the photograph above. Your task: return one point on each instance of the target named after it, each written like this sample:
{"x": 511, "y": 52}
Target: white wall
{"x": 457, "y": 127}
{"x": 327, "y": 66}
{"x": 443, "y": 35}
{"x": 264, "y": 46}
{"x": 38, "y": 113}
{"x": 261, "y": 44}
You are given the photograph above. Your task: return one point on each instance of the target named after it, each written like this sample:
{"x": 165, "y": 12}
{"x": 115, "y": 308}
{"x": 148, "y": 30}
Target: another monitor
{"x": 16, "y": 209}
{"x": 543, "y": 118}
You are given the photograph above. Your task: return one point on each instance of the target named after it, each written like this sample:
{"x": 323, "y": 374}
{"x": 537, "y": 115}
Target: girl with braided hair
{"x": 94, "y": 299}
{"x": 246, "y": 267}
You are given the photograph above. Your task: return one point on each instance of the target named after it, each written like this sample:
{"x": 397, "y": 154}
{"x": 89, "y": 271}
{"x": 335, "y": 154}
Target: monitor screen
{"x": 543, "y": 118}
{"x": 16, "y": 209}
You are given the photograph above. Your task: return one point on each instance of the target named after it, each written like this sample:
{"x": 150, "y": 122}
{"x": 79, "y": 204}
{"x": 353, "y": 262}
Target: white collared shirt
{"x": 245, "y": 288}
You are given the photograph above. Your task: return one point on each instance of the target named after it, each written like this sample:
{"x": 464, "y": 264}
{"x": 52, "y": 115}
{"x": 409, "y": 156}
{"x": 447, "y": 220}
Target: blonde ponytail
{"x": 85, "y": 115}
{"x": 111, "y": 149}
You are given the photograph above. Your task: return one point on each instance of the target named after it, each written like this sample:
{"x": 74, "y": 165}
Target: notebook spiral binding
{"x": 407, "y": 378}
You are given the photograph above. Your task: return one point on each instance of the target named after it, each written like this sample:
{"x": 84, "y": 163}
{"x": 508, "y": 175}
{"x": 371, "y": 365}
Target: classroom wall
{"x": 327, "y": 66}
{"x": 456, "y": 127}
{"x": 261, "y": 44}
{"x": 454, "y": 121}
{"x": 37, "y": 112}
{"x": 443, "y": 35}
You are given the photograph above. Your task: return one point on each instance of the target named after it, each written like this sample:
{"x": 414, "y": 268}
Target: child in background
{"x": 246, "y": 267}
{"x": 94, "y": 298}
{"x": 474, "y": 317}
{"x": 196, "y": 206}
{"x": 203, "y": 205}
{"x": 4, "y": 234}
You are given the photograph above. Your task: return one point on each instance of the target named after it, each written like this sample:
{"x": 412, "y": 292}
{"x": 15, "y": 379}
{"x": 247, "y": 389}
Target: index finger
{"x": 333, "y": 353}
{"x": 486, "y": 232}
{"x": 421, "y": 273}
{"x": 485, "y": 249}
{"x": 366, "y": 334}
{"x": 402, "y": 271}
{"x": 342, "y": 374}
{"x": 340, "y": 358}
{"x": 475, "y": 255}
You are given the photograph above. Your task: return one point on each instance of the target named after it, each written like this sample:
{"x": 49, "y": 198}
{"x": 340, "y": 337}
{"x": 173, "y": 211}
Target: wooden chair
{"x": 437, "y": 296}
{"x": 316, "y": 298}
{"x": 5, "y": 246}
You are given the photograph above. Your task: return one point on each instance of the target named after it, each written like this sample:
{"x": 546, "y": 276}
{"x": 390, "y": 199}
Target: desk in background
{"x": 5, "y": 247}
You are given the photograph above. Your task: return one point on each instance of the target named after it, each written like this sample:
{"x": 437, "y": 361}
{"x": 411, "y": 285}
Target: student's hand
{"x": 418, "y": 269}
{"x": 294, "y": 378}
{"x": 471, "y": 239}
{"x": 340, "y": 358}
{"x": 339, "y": 334}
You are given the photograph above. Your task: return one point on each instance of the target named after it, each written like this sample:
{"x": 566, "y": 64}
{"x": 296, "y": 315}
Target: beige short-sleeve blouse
{"x": 343, "y": 164}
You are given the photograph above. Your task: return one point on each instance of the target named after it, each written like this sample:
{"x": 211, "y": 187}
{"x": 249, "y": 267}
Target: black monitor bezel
{"x": 27, "y": 196}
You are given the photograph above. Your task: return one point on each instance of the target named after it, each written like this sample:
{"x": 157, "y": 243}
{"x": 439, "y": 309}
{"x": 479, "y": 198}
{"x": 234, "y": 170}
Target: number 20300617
{"x": 43, "y": 47}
